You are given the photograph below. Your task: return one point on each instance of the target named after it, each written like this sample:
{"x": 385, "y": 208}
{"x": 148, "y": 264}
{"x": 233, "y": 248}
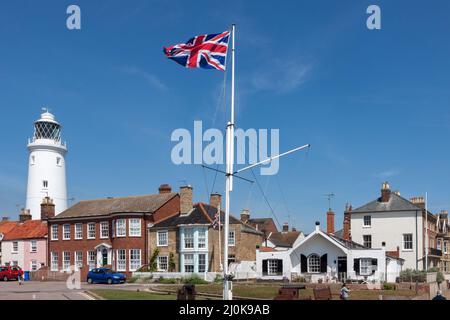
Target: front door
{"x": 104, "y": 257}
{"x": 342, "y": 268}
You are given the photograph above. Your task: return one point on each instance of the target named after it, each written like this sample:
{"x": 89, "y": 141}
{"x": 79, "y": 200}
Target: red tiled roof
{"x": 6, "y": 226}
{"x": 266, "y": 249}
{"x": 393, "y": 254}
{"x": 31, "y": 229}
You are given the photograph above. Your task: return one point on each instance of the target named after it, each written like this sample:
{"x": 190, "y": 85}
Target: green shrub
{"x": 194, "y": 280}
{"x": 167, "y": 280}
{"x": 440, "y": 276}
{"x": 218, "y": 279}
{"x": 388, "y": 286}
{"x": 132, "y": 279}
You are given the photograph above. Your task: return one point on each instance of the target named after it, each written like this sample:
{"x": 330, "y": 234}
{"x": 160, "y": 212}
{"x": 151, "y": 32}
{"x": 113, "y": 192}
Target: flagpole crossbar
{"x": 228, "y": 174}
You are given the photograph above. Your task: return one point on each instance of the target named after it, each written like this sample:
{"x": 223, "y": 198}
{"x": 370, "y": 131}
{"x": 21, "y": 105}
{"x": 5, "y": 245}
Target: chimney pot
{"x": 285, "y": 227}
{"x": 47, "y": 208}
{"x": 385, "y": 192}
{"x": 317, "y": 225}
{"x": 24, "y": 215}
{"x": 186, "y": 199}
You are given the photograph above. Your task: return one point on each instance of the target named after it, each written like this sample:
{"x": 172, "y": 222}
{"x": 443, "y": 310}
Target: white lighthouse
{"x": 47, "y": 166}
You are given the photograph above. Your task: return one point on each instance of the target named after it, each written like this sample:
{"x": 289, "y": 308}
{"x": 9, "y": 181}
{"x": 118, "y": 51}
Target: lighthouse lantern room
{"x": 46, "y": 167}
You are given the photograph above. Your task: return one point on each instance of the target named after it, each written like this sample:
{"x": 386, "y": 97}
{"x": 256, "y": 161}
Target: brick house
{"x": 443, "y": 239}
{"x": 106, "y": 232}
{"x": 189, "y": 242}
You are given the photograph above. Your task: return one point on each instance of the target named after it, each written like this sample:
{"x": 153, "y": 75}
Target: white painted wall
{"x": 8, "y": 256}
{"x": 389, "y": 227}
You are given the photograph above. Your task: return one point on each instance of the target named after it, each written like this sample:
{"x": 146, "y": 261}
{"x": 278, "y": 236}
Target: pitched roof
{"x": 284, "y": 239}
{"x": 202, "y": 213}
{"x": 30, "y": 229}
{"x": 395, "y": 203}
{"x": 101, "y": 207}
{"x": 262, "y": 224}
{"x": 6, "y": 226}
{"x": 347, "y": 243}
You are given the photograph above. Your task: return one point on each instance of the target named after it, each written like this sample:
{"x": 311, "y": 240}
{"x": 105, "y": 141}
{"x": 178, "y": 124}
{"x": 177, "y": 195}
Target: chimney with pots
{"x": 294, "y": 229}
{"x": 24, "y": 215}
{"x": 385, "y": 192}
{"x": 215, "y": 200}
{"x": 165, "y": 188}
{"x": 186, "y": 199}
{"x": 330, "y": 221}
{"x": 47, "y": 208}
{"x": 346, "y": 231}
{"x": 286, "y": 227}
{"x": 418, "y": 201}
{"x": 245, "y": 215}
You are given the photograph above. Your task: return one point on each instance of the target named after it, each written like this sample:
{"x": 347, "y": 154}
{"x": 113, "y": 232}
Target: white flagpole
{"x": 426, "y": 231}
{"x": 220, "y": 245}
{"x": 229, "y": 181}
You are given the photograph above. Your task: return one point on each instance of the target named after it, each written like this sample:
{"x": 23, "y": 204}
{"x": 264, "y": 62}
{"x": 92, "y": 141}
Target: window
{"x": 33, "y": 160}
{"x": 54, "y": 235}
{"x": 189, "y": 262}
{"x": 162, "y": 238}
{"x": 445, "y": 246}
{"x": 438, "y": 244}
{"x": 202, "y": 238}
{"x": 313, "y": 263}
{"x": 407, "y": 241}
{"x": 121, "y": 228}
{"x": 45, "y": 184}
{"x": 66, "y": 232}
{"x": 231, "y": 259}
{"x": 91, "y": 260}
{"x": 365, "y": 266}
{"x": 367, "y": 241}
{"x": 15, "y": 247}
{"x": 91, "y": 230}
{"x": 33, "y": 246}
{"x": 78, "y": 260}
{"x": 231, "y": 238}
{"x": 135, "y": 259}
{"x": 58, "y": 161}
{"x": 33, "y": 265}
{"x": 79, "y": 231}
{"x": 66, "y": 261}
{"x": 188, "y": 238}
{"x": 272, "y": 267}
{"x": 163, "y": 263}
{"x": 367, "y": 221}
{"x": 54, "y": 261}
{"x": 113, "y": 228}
{"x": 121, "y": 260}
{"x": 104, "y": 229}
{"x": 134, "y": 228}
{"x": 202, "y": 263}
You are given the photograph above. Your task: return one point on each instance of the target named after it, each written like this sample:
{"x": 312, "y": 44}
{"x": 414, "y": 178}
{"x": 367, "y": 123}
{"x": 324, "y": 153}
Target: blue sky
{"x": 373, "y": 104}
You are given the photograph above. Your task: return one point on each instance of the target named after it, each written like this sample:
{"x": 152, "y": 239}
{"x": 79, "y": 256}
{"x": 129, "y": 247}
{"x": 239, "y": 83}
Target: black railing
{"x": 434, "y": 252}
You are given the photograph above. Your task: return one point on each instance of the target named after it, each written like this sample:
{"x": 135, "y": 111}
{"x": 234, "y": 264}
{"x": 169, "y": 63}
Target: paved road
{"x": 36, "y": 290}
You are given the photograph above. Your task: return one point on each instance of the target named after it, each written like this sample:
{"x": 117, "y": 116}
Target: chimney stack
{"x": 47, "y": 208}
{"x": 418, "y": 201}
{"x": 346, "y": 231}
{"x": 245, "y": 215}
{"x": 5, "y": 218}
{"x": 215, "y": 200}
{"x": 165, "y": 188}
{"x": 24, "y": 215}
{"x": 186, "y": 199}
{"x": 294, "y": 229}
{"x": 286, "y": 227}
{"x": 385, "y": 192}
{"x": 330, "y": 222}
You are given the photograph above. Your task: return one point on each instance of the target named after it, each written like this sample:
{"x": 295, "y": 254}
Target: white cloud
{"x": 151, "y": 79}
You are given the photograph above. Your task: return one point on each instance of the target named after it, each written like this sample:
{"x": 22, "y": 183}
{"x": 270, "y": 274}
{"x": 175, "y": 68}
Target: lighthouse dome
{"x": 47, "y": 127}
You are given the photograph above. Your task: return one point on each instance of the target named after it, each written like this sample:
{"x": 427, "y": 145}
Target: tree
{"x": 171, "y": 262}
{"x": 153, "y": 263}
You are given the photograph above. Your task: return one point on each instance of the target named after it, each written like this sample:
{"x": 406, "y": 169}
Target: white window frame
{"x": 33, "y": 265}
{"x": 191, "y": 262}
{"x": 33, "y": 246}
{"x": 272, "y": 267}
{"x": 369, "y": 220}
{"x": 89, "y": 231}
{"x": 121, "y": 261}
{"x": 134, "y": 227}
{"x": 92, "y": 259}
{"x": 365, "y": 266}
{"x": 54, "y": 232}
{"x": 78, "y": 260}
{"x": 134, "y": 263}
{"x": 190, "y": 238}
{"x": 445, "y": 246}
{"x": 364, "y": 240}
{"x": 205, "y": 264}
{"x": 161, "y": 264}
{"x": 120, "y": 228}
{"x": 65, "y": 237}
{"x": 231, "y": 238}
{"x": 404, "y": 242}
{"x": 162, "y": 234}
{"x": 113, "y": 228}
{"x": 104, "y": 231}
{"x": 313, "y": 263}
{"x": 15, "y": 247}
{"x": 54, "y": 261}
{"x": 201, "y": 240}
{"x": 78, "y": 231}
{"x": 438, "y": 244}
{"x": 66, "y": 262}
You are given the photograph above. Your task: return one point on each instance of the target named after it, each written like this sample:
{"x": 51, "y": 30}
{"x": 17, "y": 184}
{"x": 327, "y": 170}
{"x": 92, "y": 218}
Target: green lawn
{"x": 117, "y": 294}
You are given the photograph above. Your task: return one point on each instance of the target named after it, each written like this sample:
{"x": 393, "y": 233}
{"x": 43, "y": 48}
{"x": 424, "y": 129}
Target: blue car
{"x": 105, "y": 275}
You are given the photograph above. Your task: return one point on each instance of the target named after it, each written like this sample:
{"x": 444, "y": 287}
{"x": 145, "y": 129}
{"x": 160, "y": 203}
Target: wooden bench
{"x": 322, "y": 293}
{"x": 291, "y": 292}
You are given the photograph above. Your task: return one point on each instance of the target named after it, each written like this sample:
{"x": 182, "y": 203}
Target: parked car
{"x": 10, "y": 273}
{"x": 105, "y": 275}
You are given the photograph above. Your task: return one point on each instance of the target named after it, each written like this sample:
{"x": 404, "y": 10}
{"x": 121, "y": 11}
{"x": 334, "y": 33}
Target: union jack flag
{"x": 216, "y": 221}
{"x": 207, "y": 51}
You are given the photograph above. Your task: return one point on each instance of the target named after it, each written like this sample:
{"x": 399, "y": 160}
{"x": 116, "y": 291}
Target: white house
{"x": 397, "y": 224}
{"x": 328, "y": 258}
{"x": 284, "y": 240}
